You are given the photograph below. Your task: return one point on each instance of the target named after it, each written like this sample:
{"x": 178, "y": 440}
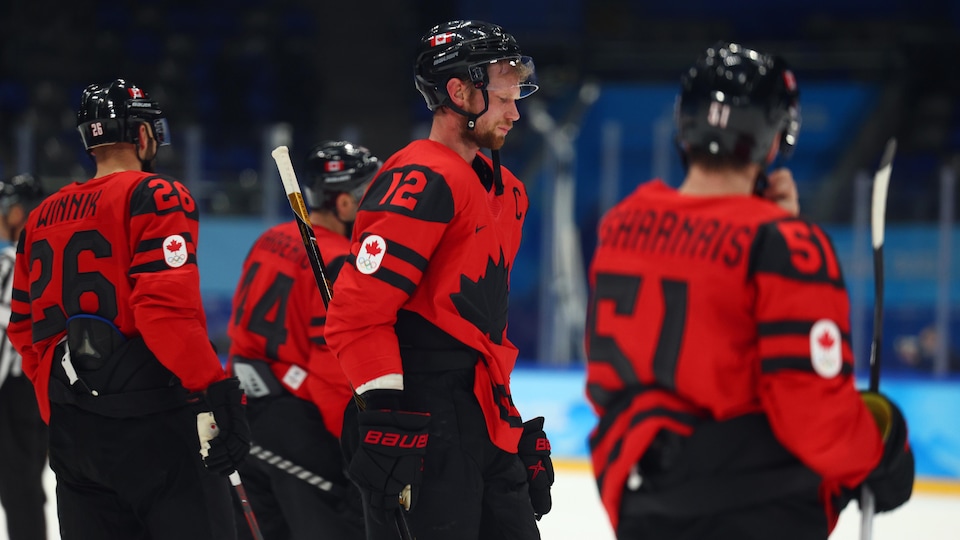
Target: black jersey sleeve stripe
{"x": 20, "y": 295}
{"x": 318, "y": 341}
{"x": 795, "y": 363}
{"x": 19, "y": 317}
{"x": 408, "y": 255}
{"x": 333, "y": 269}
{"x": 787, "y": 328}
{"x": 157, "y": 243}
{"x": 394, "y": 279}
{"x": 405, "y": 254}
{"x": 318, "y": 321}
{"x": 157, "y": 266}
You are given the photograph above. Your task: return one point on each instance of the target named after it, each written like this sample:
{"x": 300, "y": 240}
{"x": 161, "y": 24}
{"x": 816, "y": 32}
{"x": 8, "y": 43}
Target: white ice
{"x": 577, "y": 514}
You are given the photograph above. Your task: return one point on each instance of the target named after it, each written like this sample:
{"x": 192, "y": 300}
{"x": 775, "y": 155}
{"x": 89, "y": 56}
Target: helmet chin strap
{"x": 471, "y": 124}
{"x": 762, "y": 181}
{"x": 497, "y": 176}
{"x": 471, "y": 117}
{"x": 146, "y": 163}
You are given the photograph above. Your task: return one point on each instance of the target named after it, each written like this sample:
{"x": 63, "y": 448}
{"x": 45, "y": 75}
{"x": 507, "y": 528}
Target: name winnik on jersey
{"x": 67, "y": 208}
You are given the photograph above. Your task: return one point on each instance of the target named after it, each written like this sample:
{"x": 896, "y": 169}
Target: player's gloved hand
{"x": 534, "y": 451}
{"x": 388, "y": 462}
{"x": 892, "y": 480}
{"x": 228, "y": 431}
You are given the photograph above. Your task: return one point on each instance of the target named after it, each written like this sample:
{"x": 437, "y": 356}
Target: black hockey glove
{"x": 388, "y": 463}
{"x": 534, "y": 451}
{"x": 892, "y": 480}
{"x": 231, "y": 443}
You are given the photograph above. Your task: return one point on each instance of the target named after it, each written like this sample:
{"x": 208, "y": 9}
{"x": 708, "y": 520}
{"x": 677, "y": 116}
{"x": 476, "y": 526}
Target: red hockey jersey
{"x": 278, "y": 317}
{"x": 715, "y": 307}
{"x": 432, "y": 240}
{"x": 122, "y": 247}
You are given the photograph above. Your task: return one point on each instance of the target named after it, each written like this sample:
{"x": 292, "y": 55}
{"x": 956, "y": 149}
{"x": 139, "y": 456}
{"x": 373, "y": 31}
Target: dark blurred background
{"x": 237, "y": 78}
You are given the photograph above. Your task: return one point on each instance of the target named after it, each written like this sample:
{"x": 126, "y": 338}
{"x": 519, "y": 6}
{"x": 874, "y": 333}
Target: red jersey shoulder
{"x": 797, "y": 249}
{"x": 159, "y": 194}
{"x": 411, "y": 189}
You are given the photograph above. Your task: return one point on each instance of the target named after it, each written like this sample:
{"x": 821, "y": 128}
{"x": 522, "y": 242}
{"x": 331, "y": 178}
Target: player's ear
{"x": 457, "y": 90}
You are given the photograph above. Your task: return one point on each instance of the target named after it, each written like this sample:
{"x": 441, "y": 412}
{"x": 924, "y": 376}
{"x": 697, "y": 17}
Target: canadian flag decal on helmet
{"x": 135, "y": 92}
{"x": 441, "y": 39}
{"x": 333, "y": 166}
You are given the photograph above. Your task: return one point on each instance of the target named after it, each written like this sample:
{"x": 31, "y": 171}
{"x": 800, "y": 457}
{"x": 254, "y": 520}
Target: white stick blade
{"x": 878, "y": 204}
{"x": 288, "y": 176}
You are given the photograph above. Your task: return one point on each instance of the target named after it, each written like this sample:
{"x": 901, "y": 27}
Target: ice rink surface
{"x": 932, "y": 514}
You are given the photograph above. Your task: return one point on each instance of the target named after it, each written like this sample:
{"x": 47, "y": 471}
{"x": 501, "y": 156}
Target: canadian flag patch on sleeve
{"x": 174, "y": 251}
{"x": 372, "y": 250}
{"x": 825, "y": 348}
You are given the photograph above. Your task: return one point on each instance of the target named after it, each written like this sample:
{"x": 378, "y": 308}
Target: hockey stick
{"x": 207, "y": 429}
{"x": 271, "y": 458}
{"x": 878, "y": 205}
{"x": 291, "y": 186}
{"x": 281, "y": 155}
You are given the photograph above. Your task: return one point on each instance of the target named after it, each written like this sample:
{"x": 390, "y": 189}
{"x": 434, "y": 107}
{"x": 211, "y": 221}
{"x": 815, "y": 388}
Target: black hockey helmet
{"x": 338, "y": 167}
{"x": 24, "y": 189}
{"x": 734, "y": 101}
{"x": 111, "y": 113}
{"x": 464, "y": 49}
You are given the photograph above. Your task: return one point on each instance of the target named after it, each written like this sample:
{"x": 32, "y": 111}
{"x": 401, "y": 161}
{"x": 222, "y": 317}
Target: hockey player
{"x": 719, "y": 358}
{"x": 23, "y": 434}
{"x": 297, "y": 390}
{"x": 419, "y": 312}
{"x": 107, "y": 315}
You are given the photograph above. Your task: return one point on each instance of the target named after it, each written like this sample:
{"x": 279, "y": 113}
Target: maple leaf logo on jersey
{"x": 825, "y": 340}
{"x": 826, "y": 355}
{"x": 175, "y": 251}
{"x": 484, "y": 302}
{"x": 372, "y": 251}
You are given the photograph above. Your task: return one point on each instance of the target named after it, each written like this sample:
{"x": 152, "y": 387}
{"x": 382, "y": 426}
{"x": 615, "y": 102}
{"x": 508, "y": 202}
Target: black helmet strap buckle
{"x": 472, "y": 117}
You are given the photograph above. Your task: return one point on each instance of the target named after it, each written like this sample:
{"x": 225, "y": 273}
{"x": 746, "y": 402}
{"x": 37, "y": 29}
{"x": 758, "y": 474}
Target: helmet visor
{"x": 161, "y": 131}
{"x": 515, "y": 74}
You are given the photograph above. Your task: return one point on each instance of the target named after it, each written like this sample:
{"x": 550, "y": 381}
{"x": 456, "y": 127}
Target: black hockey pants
{"x": 138, "y": 478}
